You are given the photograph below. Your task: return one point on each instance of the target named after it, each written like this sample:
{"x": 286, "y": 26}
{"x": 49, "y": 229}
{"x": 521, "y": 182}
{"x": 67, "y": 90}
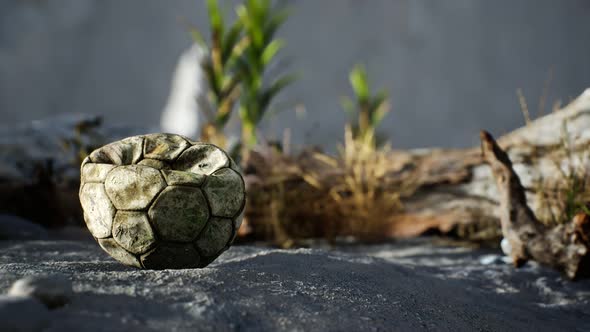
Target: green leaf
{"x": 259, "y": 9}
{"x": 198, "y": 37}
{"x": 214, "y": 84}
{"x": 237, "y": 52}
{"x": 231, "y": 40}
{"x": 271, "y": 50}
{"x": 230, "y": 83}
{"x": 379, "y": 99}
{"x": 243, "y": 67}
{"x": 259, "y": 20}
{"x": 360, "y": 85}
{"x": 378, "y": 114}
{"x": 348, "y": 106}
{"x": 379, "y": 108}
{"x": 274, "y": 89}
{"x": 368, "y": 111}
{"x": 246, "y": 14}
{"x": 242, "y": 14}
{"x": 215, "y": 17}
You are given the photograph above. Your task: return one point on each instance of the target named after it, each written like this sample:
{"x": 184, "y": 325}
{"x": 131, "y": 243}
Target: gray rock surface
{"x": 22, "y": 314}
{"x": 405, "y": 286}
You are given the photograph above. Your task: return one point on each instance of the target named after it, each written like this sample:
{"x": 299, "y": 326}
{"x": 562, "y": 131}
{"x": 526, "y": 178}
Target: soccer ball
{"x": 161, "y": 201}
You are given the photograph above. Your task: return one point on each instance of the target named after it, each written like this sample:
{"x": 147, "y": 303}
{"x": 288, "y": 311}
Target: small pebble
{"x": 490, "y": 259}
{"x": 506, "y": 247}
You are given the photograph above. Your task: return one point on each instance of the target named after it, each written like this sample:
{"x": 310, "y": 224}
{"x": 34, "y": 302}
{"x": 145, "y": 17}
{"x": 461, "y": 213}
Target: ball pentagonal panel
{"x": 164, "y": 147}
{"x": 225, "y": 192}
{"x": 132, "y": 231}
{"x": 215, "y": 236}
{"x": 179, "y": 213}
{"x": 124, "y": 152}
{"x": 112, "y": 248}
{"x": 171, "y": 256}
{"x": 201, "y": 158}
{"x": 133, "y": 187}
{"x": 98, "y": 210}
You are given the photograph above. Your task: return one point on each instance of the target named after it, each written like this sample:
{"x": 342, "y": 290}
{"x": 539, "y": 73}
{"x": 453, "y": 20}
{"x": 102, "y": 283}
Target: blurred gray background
{"x": 452, "y": 67}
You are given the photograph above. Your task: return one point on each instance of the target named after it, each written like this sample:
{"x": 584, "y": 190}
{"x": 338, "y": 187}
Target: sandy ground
{"x": 404, "y": 286}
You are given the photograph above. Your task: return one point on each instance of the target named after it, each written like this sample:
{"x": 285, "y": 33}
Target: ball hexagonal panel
{"x": 183, "y": 178}
{"x": 171, "y": 256}
{"x": 154, "y": 163}
{"x": 164, "y": 147}
{"x": 215, "y": 236}
{"x": 179, "y": 213}
{"x": 112, "y": 248}
{"x": 233, "y": 165}
{"x": 98, "y": 210}
{"x": 133, "y": 187}
{"x": 225, "y": 192}
{"x": 124, "y": 152}
{"x": 237, "y": 222}
{"x": 95, "y": 172}
{"x": 132, "y": 231}
{"x": 201, "y": 158}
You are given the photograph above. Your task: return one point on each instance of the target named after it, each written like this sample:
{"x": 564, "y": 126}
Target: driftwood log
{"x": 564, "y": 246}
{"x": 450, "y": 190}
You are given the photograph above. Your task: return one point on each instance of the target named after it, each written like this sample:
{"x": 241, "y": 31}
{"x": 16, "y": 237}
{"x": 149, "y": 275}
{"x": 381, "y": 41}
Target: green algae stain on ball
{"x": 179, "y": 213}
{"x": 161, "y": 201}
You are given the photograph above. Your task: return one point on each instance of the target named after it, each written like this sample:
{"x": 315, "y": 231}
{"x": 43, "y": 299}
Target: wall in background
{"x": 452, "y": 67}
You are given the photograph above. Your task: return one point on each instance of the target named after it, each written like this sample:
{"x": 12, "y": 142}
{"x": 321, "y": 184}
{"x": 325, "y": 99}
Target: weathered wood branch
{"x": 565, "y": 246}
{"x": 440, "y": 189}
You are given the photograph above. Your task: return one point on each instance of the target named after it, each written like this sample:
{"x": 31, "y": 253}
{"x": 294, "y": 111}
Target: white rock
{"x": 52, "y": 290}
{"x": 506, "y": 247}
{"x": 490, "y": 259}
{"x": 188, "y": 95}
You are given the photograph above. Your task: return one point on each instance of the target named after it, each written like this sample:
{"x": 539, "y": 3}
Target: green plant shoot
{"x": 367, "y": 110}
{"x": 260, "y": 21}
{"x": 225, "y": 47}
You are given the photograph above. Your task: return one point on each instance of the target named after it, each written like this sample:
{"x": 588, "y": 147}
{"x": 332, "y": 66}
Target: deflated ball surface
{"x": 161, "y": 201}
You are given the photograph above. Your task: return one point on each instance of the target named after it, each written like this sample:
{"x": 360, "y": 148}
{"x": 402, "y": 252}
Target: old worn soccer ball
{"x": 161, "y": 201}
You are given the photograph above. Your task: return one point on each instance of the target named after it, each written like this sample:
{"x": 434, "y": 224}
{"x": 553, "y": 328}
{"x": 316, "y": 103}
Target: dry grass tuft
{"x": 563, "y": 196}
{"x": 567, "y": 193}
{"x": 361, "y": 201}
{"x": 317, "y": 195}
